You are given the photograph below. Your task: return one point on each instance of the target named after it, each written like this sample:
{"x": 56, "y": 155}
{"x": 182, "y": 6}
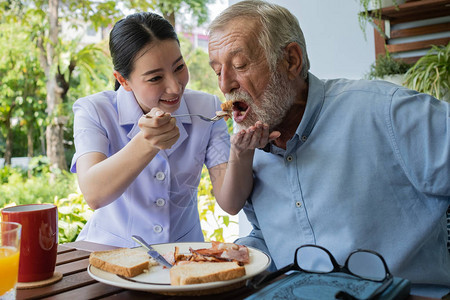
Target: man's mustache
{"x": 239, "y": 96}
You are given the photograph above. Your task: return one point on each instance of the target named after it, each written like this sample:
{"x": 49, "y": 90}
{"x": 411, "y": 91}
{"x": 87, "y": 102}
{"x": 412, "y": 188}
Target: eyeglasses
{"x": 361, "y": 263}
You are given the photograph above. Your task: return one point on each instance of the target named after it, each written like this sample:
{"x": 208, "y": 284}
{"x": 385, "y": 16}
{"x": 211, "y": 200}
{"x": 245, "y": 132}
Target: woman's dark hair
{"x": 131, "y": 34}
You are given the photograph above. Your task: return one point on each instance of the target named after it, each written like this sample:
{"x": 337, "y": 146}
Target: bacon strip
{"x": 218, "y": 252}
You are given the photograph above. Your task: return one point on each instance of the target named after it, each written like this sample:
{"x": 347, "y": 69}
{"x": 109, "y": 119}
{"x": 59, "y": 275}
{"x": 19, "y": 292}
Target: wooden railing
{"x": 399, "y": 39}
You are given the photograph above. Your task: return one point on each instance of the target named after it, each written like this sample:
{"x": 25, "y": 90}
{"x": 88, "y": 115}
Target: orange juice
{"x": 9, "y": 268}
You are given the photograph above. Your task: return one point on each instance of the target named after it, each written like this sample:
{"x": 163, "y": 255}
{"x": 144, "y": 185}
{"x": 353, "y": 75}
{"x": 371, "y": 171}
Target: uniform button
{"x": 160, "y": 202}
{"x": 157, "y": 228}
{"x": 298, "y": 204}
{"x": 160, "y": 176}
{"x": 289, "y": 158}
{"x": 304, "y": 138}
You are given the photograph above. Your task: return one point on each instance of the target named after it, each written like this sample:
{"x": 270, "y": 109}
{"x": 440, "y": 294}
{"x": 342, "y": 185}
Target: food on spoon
{"x": 227, "y": 106}
{"x": 236, "y": 109}
{"x": 224, "y": 114}
{"x": 122, "y": 261}
{"x": 227, "y": 110}
{"x": 203, "y": 272}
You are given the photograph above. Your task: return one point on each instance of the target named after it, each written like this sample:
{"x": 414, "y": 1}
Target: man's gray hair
{"x": 278, "y": 28}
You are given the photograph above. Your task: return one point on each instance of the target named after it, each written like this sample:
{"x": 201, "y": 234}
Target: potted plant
{"x": 430, "y": 74}
{"x": 387, "y": 68}
{"x": 375, "y": 7}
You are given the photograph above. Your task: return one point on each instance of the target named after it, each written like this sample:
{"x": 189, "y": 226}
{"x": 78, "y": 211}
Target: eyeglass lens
{"x": 366, "y": 265}
{"x": 363, "y": 264}
{"x": 314, "y": 259}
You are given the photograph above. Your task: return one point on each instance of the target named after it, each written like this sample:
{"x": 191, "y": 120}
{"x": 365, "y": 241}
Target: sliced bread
{"x": 202, "y": 272}
{"x": 122, "y": 261}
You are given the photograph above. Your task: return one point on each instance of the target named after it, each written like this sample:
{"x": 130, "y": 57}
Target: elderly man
{"x": 348, "y": 164}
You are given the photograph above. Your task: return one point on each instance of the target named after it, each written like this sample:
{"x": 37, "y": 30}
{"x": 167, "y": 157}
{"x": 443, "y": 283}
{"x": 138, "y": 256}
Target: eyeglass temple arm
{"x": 260, "y": 281}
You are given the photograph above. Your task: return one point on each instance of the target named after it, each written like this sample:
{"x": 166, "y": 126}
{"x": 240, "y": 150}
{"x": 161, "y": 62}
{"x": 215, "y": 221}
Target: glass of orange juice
{"x": 9, "y": 258}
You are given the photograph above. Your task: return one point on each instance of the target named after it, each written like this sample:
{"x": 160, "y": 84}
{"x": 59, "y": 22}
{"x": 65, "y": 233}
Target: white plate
{"x": 157, "y": 280}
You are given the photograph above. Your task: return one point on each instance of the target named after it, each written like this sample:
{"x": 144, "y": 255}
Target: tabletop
{"x": 72, "y": 262}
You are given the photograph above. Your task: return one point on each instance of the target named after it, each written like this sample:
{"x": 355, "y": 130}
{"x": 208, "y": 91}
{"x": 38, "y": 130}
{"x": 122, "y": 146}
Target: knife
{"x": 152, "y": 252}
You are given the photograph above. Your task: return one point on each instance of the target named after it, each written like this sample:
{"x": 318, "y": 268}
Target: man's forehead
{"x": 239, "y": 36}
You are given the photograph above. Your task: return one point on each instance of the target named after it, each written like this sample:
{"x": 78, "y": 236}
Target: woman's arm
{"x": 103, "y": 179}
{"x": 233, "y": 182}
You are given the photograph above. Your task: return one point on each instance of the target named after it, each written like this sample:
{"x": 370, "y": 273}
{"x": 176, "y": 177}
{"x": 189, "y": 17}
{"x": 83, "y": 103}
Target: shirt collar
{"x": 127, "y": 107}
{"x": 314, "y": 104}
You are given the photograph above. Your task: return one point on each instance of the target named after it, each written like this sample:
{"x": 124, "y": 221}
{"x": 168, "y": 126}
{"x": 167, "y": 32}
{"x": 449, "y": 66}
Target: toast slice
{"x": 203, "y": 272}
{"x": 122, "y": 261}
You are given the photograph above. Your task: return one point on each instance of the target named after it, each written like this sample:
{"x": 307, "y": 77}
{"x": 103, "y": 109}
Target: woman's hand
{"x": 256, "y": 136}
{"x": 159, "y": 129}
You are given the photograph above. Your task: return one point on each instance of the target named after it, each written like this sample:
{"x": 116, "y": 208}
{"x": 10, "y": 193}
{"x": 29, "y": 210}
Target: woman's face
{"x": 159, "y": 76}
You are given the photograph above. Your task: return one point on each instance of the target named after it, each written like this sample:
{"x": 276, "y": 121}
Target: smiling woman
{"x": 161, "y": 85}
{"x": 140, "y": 174}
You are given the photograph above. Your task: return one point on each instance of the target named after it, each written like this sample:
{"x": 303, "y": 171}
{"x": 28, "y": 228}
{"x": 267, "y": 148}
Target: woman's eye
{"x": 180, "y": 67}
{"x": 239, "y": 67}
{"x": 155, "y": 79}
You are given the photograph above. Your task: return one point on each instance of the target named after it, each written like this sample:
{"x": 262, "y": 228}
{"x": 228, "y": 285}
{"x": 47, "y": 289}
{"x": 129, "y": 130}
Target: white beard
{"x": 277, "y": 99}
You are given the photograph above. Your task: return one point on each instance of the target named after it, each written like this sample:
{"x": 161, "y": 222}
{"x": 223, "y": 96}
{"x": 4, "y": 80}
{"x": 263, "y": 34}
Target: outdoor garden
{"x": 46, "y": 63}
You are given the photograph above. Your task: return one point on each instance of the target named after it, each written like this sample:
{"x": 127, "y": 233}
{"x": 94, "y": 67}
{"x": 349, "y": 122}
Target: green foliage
{"x": 94, "y": 69}
{"x": 73, "y": 215}
{"x": 387, "y": 65}
{"x": 213, "y": 225}
{"x": 6, "y": 172}
{"x": 172, "y": 9}
{"x": 22, "y": 92}
{"x": 371, "y": 5}
{"x": 39, "y": 165}
{"x": 19, "y": 189}
{"x": 430, "y": 74}
{"x": 201, "y": 75}
{"x": 46, "y": 186}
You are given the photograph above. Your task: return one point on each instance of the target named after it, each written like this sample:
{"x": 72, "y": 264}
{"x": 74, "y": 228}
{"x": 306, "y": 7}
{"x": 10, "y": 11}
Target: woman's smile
{"x": 172, "y": 101}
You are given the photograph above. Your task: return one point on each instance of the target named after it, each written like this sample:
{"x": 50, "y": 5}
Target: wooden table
{"x": 76, "y": 283}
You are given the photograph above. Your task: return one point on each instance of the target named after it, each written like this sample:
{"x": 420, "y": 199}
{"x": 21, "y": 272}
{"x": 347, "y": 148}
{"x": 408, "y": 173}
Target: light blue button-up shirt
{"x": 368, "y": 167}
{"x": 161, "y": 204}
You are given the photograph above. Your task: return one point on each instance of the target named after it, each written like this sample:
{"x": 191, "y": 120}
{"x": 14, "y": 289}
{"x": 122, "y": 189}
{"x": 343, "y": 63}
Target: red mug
{"x": 39, "y": 242}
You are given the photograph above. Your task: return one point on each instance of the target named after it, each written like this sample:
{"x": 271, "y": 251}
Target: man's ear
{"x": 123, "y": 82}
{"x": 293, "y": 60}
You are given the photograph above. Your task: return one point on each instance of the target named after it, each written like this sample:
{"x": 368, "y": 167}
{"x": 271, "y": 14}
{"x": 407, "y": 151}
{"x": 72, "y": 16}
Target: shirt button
{"x": 304, "y": 138}
{"x": 289, "y": 158}
{"x": 160, "y": 176}
{"x": 298, "y": 204}
{"x": 160, "y": 202}
{"x": 157, "y": 228}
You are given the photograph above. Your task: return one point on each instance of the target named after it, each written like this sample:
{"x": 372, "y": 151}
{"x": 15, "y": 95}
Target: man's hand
{"x": 256, "y": 136}
{"x": 159, "y": 129}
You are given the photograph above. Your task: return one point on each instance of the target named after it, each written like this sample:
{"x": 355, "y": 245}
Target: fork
{"x": 213, "y": 119}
